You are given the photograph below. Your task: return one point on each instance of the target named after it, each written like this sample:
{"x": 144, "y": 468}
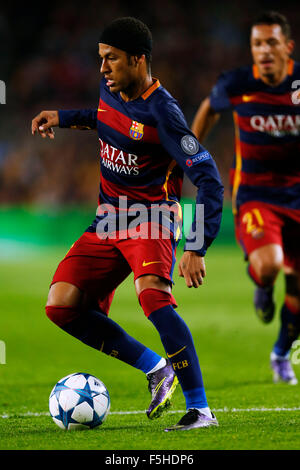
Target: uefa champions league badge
{"x": 136, "y": 130}
{"x": 189, "y": 144}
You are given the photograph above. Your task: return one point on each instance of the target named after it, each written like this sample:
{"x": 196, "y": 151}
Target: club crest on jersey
{"x": 136, "y": 131}
{"x": 257, "y": 233}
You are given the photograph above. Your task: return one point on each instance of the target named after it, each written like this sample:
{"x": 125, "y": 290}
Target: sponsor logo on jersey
{"x": 117, "y": 160}
{"x": 277, "y": 125}
{"x": 136, "y": 130}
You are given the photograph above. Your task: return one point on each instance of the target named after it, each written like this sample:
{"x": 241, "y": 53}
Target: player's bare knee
{"x": 63, "y": 303}
{"x": 267, "y": 261}
{"x": 269, "y": 271}
{"x": 151, "y": 281}
{"x": 64, "y": 294}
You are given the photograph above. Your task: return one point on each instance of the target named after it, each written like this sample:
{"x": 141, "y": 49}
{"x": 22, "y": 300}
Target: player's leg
{"x": 290, "y": 312}
{"x": 78, "y": 280}
{"x": 162, "y": 382}
{"x": 158, "y": 305}
{"x": 66, "y": 308}
{"x": 152, "y": 262}
{"x": 258, "y": 230}
{"x": 264, "y": 266}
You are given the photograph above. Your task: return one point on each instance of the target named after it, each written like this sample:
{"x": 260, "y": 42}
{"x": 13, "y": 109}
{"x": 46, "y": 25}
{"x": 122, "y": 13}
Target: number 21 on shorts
{"x": 254, "y": 223}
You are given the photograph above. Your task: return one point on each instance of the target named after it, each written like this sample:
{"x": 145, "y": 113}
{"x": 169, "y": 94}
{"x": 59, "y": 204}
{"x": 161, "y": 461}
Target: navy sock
{"x": 178, "y": 343}
{"x": 289, "y": 331}
{"x": 95, "y": 329}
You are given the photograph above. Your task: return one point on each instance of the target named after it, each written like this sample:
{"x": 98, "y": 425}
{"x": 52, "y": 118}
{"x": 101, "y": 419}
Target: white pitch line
{"x": 137, "y": 412}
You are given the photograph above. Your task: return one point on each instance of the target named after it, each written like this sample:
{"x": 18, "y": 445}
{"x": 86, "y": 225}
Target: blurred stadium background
{"x": 48, "y": 196}
{"x": 49, "y": 60}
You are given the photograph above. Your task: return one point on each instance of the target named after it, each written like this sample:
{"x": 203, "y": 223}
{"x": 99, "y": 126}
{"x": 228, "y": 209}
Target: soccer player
{"x": 265, "y": 177}
{"x": 145, "y": 146}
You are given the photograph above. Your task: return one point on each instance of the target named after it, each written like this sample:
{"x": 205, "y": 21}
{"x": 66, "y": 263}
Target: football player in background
{"x": 265, "y": 178}
{"x": 145, "y": 146}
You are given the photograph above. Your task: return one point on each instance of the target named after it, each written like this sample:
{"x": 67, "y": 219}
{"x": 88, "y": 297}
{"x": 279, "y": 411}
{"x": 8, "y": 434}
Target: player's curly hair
{"x": 273, "y": 17}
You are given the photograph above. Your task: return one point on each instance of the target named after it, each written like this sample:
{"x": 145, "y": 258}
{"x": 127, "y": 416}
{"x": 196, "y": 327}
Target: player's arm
{"x": 192, "y": 268}
{"x": 44, "y": 122}
{"x": 84, "y": 119}
{"x": 205, "y": 226}
{"x": 212, "y": 106}
{"x": 204, "y": 120}
{"x": 192, "y": 265}
{"x": 201, "y": 169}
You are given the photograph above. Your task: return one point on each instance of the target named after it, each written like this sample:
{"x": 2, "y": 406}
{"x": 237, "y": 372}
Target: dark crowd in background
{"x": 49, "y": 60}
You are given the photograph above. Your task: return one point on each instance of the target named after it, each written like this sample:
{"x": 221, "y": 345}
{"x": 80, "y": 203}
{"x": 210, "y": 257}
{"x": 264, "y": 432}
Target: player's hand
{"x": 43, "y": 123}
{"x": 192, "y": 268}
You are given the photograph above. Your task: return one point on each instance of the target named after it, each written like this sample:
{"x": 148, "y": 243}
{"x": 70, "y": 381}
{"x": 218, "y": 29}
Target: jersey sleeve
{"x": 219, "y": 96}
{"x": 199, "y": 166}
{"x": 78, "y": 118}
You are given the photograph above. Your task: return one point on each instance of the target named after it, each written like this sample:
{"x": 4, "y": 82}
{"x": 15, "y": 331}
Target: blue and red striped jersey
{"x": 266, "y": 166}
{"x": 145, "y": 148}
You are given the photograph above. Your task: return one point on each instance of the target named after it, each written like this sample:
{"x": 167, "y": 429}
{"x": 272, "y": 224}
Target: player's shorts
{"x": 258, "y": 224}
{"x": 97, "y": 267}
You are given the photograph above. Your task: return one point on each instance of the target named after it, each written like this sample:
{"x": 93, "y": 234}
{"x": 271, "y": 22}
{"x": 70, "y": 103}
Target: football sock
{"x": 275, "y": 356}
{"x": 162, "y": 363}
{"x": 289, "y": 330}
{"x": 179, "y": 346}
{"x": 206, "y": 411}
{"x": 178, "y": 343}
{"x": 149, "y": 362}
{"x": 95, "y": 329}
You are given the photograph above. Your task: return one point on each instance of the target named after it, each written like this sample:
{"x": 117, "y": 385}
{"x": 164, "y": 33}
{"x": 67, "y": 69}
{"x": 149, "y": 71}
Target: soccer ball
{"x": 79, "y": 401}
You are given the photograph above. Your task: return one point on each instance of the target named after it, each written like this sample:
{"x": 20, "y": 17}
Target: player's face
{"x": 270, "y": 50}
{"x": 119, "y": 70}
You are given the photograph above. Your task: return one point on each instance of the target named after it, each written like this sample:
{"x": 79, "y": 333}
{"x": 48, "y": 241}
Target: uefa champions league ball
{"x": 79, "y": 401}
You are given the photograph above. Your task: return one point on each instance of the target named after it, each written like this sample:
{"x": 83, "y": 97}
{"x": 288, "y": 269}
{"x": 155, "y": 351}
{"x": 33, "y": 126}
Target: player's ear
{"x": 139, "y": 59}
{"x": 290, "y": 46}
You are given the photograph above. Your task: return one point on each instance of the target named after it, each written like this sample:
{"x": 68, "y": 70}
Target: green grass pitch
{"x": 232, "y": 344}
